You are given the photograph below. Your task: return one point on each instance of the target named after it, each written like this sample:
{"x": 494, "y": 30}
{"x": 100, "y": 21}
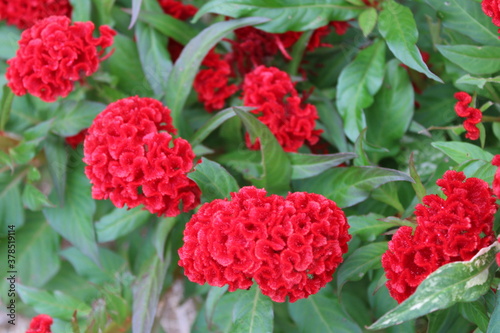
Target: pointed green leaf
{"x": 461, "y": 152}
{"x": 120, "y": 222}
{"x": 476, "y": 313}
{"x": 275, "y": 162}
{"x": 213, "y": 297}
{"x": 462, "y": 281}
{"x": 367, "y": 20}
{"x": 368, "y": 227}
{"x": 75, "y": 116}
{"x": 214, "y": 181}
{"x": 81, "y": 10}
{"x": 184, "y": 71}
{"x": 358, "y": 83}
{"x": 474, "y": 59}
{"x": 285, "y": 15}
{"x": 362, "y": 260}
{"x": 397, "y": 25}
{"x": 253, "y": 312}
{"x": 136, "y": 8}
{"x": 308, "y": 165}
{"x": 477, "y": 81}
{"x": 34, "y": 199}
{"x": 349, "y": 186}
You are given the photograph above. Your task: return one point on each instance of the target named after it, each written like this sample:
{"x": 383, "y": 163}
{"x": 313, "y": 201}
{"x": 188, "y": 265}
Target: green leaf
{"x": 476, "y": 313}
{"x": 462, "y": 281}
{"x": 362, "y": 260}
{"x": 136, "y": 8}
{"x": 57, "y": 305}
{"x": 358, "y": 83}
{"x": 214, "y": 181}
{"x": 367, "y": 20}
{"x": 146, "y": 293}
{"x": 76, "y": 116}
{"x": 477, "y": 81}
{"x": 308, "y": 165}
{"x": 73, "y": 219}
{"x": 474, "y": 59}
{"x": 447, "y": 320}
{"x": 252, "y": 312}
{"x": 9, "y": 37}
{"x": 154, "y": 57}
{"x": 55, "y": 152}
{"x": 468, "y": 18}
{"x": 184, "y": 71}
{"x": 330, "y": 118}
{"x": 494, "y": 325}
{"x": 34, "y": 199}
{"x": 418, "y": 186}
{"x": 277, "y": 168}
{"x": 213, "y": 297}
{"x": 397, "y": 25}
{"x": 11, "y": 206}
{"x": 81, "y": 10}
{"x": 285, "y": 15}
{"x": 321, "y": 312}
{"x": 461, "y": 152}
{"x": 5, "y": 106}
{"x": 388, "y": 194}
{"x": 368, "y": 227}
{"x": 218, "y": 119}
{"x": 120, "y": 222}
{"x": 169, "y": 26}
{"x": 390, "y": 115}
{"x": 349, "y": 186}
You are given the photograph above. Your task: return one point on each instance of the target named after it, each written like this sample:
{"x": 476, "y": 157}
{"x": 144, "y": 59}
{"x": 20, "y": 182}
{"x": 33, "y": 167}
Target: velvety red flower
{"x": 52, "y": 55}
{"x": 280, "y": 108}
{"x": 473, "y": 115}
{"x": 211, "y": 84}
{"x": 25, "y": 13}
{"x": 318, "y": 34}
{"x": 496, "y": 179}
{"x": 76, "y": 139}
{"x": 133, "y": 159}
{"x": 448, "y": 230}
{"x": 177, "y": 9}
{"x": 290, "y": 246}
{"x": 40, "y": 324}
{"x": 492, "y": 9}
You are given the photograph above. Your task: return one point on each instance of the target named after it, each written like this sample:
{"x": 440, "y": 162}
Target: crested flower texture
{"x": 53, "y": 54}
{"x": 473, "y": 115}
{"x": 132, "y": 158}
{"x": 496, "y": 179}
{"x": 177, "y": 9}
{"x": 280, "y": 108}
{"x": 448, "y": 230}
{"x": 40, "y": 324}
{"x": 211, "y": 83}
{"x": 290, "y": 246}
{"x": 492, "y": 9}
{"x": 25, "y": 13}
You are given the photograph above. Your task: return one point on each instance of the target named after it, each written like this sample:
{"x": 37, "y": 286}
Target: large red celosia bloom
{"x": 473, "y": 115}
{"x": 52, "y": 55}
{"x": 25, "y": 13}
{"x": 492, "y": 9}
{"x": 280, "y": 108}
{"x": 133, "y": 159}
{"x": 40, "y": 324}
{"x": 211, "y": 84}
{"x": 290, "y": 246}
{"x": 448, "y": 230}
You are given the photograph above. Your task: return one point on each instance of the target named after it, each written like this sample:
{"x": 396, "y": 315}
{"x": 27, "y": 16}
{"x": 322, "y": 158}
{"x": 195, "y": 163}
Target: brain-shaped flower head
{"x": 290, "y": 246}
{"x": 53, "y": 54}
{"x": 24, "y": 13}
{"x": 133, "y": 159}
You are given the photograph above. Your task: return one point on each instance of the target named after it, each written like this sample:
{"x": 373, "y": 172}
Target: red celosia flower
{"x": 52, "y": 55}
{"x": 473, "y": 115}
{"x": 40, "y": 324}
{"x": 448, "y": 230}
{"x": 315, "y": 40}
{"x": 25, "y": 13}
{"x": 279, "y": 106}
{"x": 496, "y": 179}
{"x": 76, "y": 139}
{"x": 133, "y": 159}
{"x": 291, "y": 246}
{"x": 211, "y": 84}
{"x": 177, "y": 9}
{"x": 492, "y": 9}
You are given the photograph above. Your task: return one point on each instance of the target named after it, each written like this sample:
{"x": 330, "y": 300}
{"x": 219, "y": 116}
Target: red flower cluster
{"x": 492, "y": 9}
{"x": 52, "y": 55}
{"x": 496, "y": 179}
{"x": 133, "y": 159}
{"x": 25, "y": 13}
{"x": 280, "y": 108}
{"x": 211, "y": 84}
{"x": 473, "y": 115}
{"x": 448, "y": 230}
{"x": 40, "y": 324}
{"x": 177, "y": 9}
{"x": 76, "y": 139}
{"x": 291, "y": 246}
